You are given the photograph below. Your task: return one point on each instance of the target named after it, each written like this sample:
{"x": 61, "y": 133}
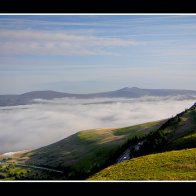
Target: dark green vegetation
{"x": 183, "y": 142}
{"x": 173, "y": 165}
{"x": 10, "y": 172}
{"x": 15, "y": 172}
{"x": 176, "y": 133}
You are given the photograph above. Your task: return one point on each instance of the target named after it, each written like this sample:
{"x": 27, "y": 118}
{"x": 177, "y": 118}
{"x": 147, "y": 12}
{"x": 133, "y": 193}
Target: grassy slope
{"x": 180, "y": 134}
{"x": 182, "y": 131}
{"x": 187, "y": 141}
{"x": 86, "y": 150}
{"x": 89, "y": 151}
{"x": 173, "y": 165}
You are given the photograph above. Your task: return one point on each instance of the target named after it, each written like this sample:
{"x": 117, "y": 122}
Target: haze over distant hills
{"x": 134, "y": 92}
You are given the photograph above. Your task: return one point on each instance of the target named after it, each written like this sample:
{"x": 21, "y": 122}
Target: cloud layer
{"x": 21, "y": 42}
{"x": 45, "y": 122}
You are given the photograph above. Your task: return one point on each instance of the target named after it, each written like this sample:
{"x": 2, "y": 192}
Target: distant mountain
{"x": 134, "y": 92}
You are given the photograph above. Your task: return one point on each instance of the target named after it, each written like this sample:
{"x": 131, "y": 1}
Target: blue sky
{"x": 94, "y": 53}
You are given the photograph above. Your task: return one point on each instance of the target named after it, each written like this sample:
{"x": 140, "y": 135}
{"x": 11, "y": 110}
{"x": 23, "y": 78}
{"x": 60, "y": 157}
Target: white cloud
{"x": 57, "y": 43}
{"x": 46, "y": 122}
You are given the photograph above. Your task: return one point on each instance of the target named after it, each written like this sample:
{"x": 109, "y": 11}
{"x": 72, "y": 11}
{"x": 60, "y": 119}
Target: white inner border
{"x": 97, "y": 14}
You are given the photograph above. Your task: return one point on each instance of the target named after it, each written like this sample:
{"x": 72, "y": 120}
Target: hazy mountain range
{"x": 134, "y": 92}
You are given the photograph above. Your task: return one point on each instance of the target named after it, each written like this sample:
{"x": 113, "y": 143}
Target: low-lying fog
{"x": 45, "y": 122}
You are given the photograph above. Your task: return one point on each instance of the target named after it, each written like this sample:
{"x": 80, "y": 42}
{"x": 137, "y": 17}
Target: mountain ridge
{"x": 126, "y": 92}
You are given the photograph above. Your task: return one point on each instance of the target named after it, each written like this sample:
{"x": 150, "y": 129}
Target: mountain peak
{"x": 127, "y": 88}
{"x": 134, "y": 87}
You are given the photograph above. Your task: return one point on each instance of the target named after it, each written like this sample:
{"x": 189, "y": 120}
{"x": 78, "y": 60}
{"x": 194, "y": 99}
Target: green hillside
{"x": 86, "y": 151}
{"x": 178, "y": 132}
{"x": 173, "y": 165}
{"x": 182, "y": 130}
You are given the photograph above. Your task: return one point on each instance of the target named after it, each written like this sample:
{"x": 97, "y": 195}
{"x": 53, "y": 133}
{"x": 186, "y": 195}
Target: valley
{"x": 87, "y": 152}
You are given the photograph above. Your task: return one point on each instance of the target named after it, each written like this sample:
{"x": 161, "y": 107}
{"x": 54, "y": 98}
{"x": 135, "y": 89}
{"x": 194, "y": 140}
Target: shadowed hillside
{"x": 176, "y": 133}
{"x": 86, "y": 151}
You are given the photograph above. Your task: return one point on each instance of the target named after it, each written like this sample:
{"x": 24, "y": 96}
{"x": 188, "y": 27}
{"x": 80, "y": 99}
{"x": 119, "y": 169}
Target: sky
{"x": 96, "y": 53}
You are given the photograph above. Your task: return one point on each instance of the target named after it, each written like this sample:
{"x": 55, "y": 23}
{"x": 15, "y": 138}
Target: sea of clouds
{"x": 47, "y": 121}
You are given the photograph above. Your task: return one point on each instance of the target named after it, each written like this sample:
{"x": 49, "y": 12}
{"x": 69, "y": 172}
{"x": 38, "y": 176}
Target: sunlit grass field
{"x": 173, "y": 165}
